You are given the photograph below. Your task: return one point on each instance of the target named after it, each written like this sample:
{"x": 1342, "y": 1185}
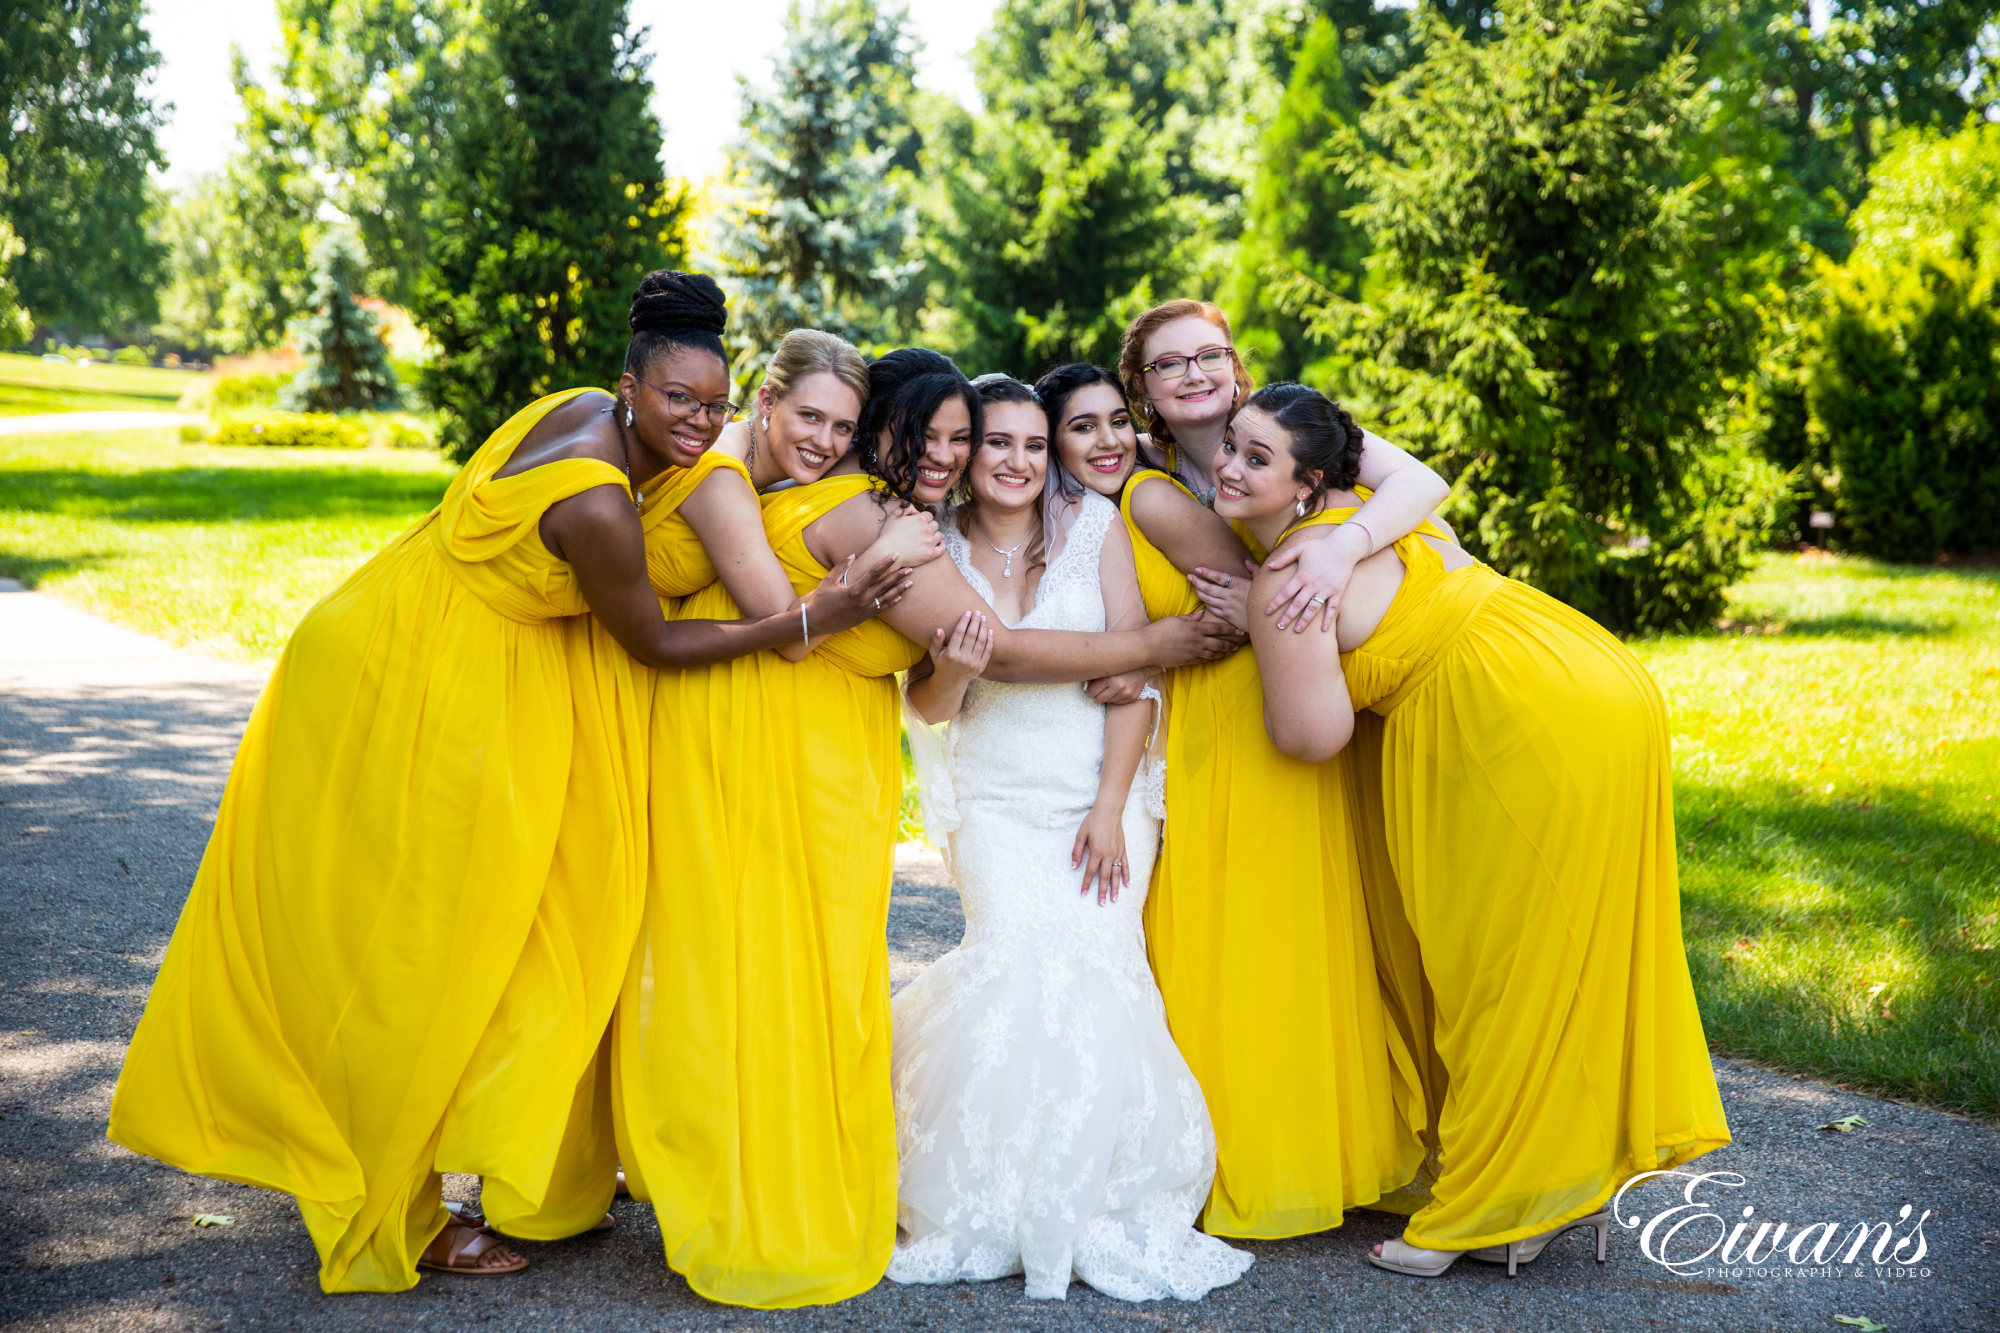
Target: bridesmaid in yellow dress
{"x": 754, "y": 1033}
{"x": 1529, "y": 812}
{"x": 1261, "y": 945}
{"x": 393, "y": 959}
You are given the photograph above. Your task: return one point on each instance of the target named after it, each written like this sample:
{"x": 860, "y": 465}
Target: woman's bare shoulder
{"x": 580, "y": 428}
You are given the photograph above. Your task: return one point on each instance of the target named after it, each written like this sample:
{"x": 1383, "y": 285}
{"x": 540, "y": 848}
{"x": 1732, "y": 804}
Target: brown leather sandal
{"x": 469, "y": 1215}
{"x": 467, "y": 1246}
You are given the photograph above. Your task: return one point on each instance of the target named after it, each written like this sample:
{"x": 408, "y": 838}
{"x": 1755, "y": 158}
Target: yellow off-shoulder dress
{"x": 427, "y": 862}
{"x": 586, "y": 1170}
{"x": 1528, "y": 804}
{"x": 754, "y": 1032}
{"x": 1260, "y": 943}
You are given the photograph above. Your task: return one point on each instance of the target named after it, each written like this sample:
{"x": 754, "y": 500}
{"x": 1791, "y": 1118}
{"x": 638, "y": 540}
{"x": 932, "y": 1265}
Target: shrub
{"x": 229, "y": 392}
{"x": 346, "y": 365}
{"x": 132, "y": 356}
{"x": 301, "y": 430}
{"x": 1906, "y": 394}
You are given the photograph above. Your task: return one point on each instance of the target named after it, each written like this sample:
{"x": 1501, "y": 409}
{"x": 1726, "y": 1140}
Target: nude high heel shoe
{"x": 1517, "y": 1252}
{"x": 1399, "y": 1257}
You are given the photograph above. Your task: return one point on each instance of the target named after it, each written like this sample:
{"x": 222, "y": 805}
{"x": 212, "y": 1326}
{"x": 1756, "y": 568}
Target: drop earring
{"x": 1299, "y": 506}
{"x": 767, "y": 423}
{"x": 628, "y": 414}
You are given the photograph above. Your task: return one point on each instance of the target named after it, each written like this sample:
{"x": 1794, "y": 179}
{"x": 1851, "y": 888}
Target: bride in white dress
{"x": 1046, "y": 1123}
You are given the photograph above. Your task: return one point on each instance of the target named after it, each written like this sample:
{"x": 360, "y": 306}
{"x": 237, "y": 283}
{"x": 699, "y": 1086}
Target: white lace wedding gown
{"x": 1045, "y": 1120}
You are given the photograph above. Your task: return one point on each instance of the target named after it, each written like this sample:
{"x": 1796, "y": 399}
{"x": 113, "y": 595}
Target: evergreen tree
{"x": 1297, "y": 206}
{"x": 1055, "y": 220}
{"x": 77, "y": 132}
{"x": 346, "y": 366}
{"x": 1538, "y": 320}
{"x": 551, "y": 209}
{"x": 818, "y": 230}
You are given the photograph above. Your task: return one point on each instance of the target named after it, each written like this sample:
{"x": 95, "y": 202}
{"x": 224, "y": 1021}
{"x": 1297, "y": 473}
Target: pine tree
{"x": 1538, "y": 319}
{"x": 1297, "y": 207}
{"x": 817, "y": 230}
{"x": 1055, "y": 221}
{"x": 552, "y": 207}
{"x": 346, "y": 365}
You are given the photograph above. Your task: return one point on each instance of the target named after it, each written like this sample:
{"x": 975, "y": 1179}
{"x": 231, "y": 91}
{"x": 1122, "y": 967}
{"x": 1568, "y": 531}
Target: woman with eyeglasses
{"x": 1257, "y": 927}
{"x": 418, "y": 903}
{"x": 754, "y": 1037}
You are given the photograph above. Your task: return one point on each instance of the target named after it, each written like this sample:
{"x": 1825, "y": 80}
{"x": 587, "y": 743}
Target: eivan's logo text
{"x": 1674, "y": 1237}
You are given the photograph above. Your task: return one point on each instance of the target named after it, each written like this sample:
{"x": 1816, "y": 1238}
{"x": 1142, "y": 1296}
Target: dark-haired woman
{"x": 1261, "y": 943}
{"x": 755, "y": 1039}
{"x": 394, "y": 959}
{"x": 1530, "y": 821}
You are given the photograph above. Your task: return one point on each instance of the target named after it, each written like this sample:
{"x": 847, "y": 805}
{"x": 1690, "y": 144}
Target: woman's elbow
{"x": 1309, "y": 740}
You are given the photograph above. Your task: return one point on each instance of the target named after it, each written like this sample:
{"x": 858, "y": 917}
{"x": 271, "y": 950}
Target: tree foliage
{"x": 817, "y": 230}
{"x": 550, "y": 208}
{"x": 1536, "y": 319}
{"x": 1056, "y": 218}
{"x": 78, "y": 132}
{"x": 1297, "y": 209}
{"x": 345, "y": 365}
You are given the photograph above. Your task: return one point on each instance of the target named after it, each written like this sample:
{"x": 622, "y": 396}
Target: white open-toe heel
{"x": 1517, "y": 1252}
{"x": 1398, "y": 1257}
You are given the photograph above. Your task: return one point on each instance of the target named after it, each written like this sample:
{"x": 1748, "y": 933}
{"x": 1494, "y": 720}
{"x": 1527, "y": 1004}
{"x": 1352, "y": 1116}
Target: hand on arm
{"x": 955, "y": 662}
{"x": 598, "y": 534}
{"x": 1405, "y": 493}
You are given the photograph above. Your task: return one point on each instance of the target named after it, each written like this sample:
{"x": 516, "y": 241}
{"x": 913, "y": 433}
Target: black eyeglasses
{"x": 1174, "y": 367}
{"x": 685, "y": 405}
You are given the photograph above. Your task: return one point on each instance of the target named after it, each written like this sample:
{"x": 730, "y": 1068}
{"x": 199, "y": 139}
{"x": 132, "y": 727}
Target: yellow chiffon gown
{"x": 1261, "y": 946}
{"x": 754, "y": 1032}
{"x": 1526, "y": 796}
{"x": 404, "y": 942}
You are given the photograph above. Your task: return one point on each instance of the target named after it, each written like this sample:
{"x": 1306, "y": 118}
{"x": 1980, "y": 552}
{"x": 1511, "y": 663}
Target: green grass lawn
{"x": 1836, "y": 764}
{"x": 218, "y": 549}
{"x": 29, "y": 384}
{"x": 1836, "y": 751}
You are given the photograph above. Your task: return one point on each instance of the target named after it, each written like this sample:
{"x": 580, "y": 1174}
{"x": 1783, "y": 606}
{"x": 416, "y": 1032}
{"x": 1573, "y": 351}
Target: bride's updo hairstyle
{"x": 672, "y": 311}
{"x": 906, "y": 388}
{"x": 1324, "y": 437}
{"x": 1132, "y": 357}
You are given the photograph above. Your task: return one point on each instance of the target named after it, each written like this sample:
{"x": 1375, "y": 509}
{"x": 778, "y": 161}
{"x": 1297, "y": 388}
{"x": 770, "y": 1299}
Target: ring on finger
{"x": 878, "y": 603}
{"x": 1315, "y": 601}
{"x": 1228, "y": 580}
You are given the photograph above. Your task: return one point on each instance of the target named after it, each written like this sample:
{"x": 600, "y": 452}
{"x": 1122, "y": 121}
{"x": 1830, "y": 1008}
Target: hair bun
{"x": 671, "y": 302}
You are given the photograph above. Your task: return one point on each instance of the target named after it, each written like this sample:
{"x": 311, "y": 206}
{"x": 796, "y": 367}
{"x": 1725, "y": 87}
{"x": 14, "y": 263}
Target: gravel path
{"x": 113, "y": 750}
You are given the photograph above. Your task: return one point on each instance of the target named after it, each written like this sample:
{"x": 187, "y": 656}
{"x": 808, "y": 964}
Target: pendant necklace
{"x": 1008, "y": 571}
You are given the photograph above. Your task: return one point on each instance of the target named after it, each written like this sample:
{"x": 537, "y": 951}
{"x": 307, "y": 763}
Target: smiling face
{"x": 1008, "y": 467}
{"x": 1253, "y": 472}
{"x": 947, "y": 446}
{"x": 1199, "y": 397}
{"x": 811, "y": 427}
{"x": 1096, "y": 439}
{"x": 679, "y": 441}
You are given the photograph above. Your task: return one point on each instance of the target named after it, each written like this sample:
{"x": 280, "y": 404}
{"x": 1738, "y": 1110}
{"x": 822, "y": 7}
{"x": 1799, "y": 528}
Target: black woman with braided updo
{"x": 403, "y": 945}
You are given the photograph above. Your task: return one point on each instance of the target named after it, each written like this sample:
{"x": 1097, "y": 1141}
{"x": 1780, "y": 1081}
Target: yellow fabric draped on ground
{"x": 425, "y": 870}
{"x": 1259, "y": 940}
{"x": 754, "y": 1032}
{"x": 1528, "y": 807}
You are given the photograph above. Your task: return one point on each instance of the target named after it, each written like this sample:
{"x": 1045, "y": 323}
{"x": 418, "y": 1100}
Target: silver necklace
{"x": 1008, "y": 571}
